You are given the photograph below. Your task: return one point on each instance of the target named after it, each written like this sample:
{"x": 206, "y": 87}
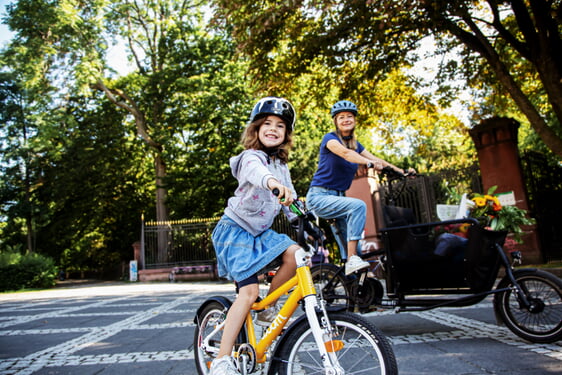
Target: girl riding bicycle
{"x": 243, "y": 239}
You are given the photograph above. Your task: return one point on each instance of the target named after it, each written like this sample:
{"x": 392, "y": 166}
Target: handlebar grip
{"x": 293, "y": 207}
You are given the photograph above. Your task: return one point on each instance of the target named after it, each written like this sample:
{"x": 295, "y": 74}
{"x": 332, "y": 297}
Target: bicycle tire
{"x": 331, "y": 284}
{"x": 211, "y": 315}
{"x": 542, "y": 323}
{"x": 366, "y": 349}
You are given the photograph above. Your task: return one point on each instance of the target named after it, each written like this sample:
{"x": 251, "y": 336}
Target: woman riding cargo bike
{"x": 339, "y": 158}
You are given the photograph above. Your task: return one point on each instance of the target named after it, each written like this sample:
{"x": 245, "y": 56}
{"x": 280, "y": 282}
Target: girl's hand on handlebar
{"x": 283, "y": 193}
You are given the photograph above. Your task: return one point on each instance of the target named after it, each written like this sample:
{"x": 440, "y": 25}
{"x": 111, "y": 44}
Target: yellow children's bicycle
{"x": 317, "y": 342}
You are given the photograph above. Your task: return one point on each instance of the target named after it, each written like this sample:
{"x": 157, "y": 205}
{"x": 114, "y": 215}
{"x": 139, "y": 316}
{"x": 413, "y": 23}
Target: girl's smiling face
{"x": 272, "y": 131}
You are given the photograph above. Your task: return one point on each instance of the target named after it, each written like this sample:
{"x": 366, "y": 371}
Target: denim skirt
{"x": 241, "y": 255}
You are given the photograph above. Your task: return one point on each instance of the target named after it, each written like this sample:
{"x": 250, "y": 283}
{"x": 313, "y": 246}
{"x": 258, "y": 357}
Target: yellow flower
{"x": 495, "y": 201}
{"x": 479, "y": 201}
{"x": 464, "y": 227}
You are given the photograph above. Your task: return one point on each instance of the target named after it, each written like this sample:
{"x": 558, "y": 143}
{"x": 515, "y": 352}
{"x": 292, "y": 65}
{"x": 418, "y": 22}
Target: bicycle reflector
{"x": 334, "y": 346}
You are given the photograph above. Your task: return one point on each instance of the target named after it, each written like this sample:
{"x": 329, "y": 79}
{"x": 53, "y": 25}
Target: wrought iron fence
{"x": 423, "y": 193}
{"x": 188, "y": 242}
{"x": 183, "y": 243}
{"x": 544, "y": 187}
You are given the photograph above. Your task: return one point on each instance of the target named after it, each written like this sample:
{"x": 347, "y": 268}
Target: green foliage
{"x": 80, "y": 142}
{"x": 26, "y": 271}
{"x": 77, "y": 178}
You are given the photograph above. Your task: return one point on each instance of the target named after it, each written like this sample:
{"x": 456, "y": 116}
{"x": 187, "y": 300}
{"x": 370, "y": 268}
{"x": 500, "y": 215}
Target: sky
{"x": 5, "y": 34}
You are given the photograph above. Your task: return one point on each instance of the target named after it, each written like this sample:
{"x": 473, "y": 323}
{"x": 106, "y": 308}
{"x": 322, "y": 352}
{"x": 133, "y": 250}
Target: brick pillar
{"x": 496, "y": 143}
{"x": 137, "y": 253}
{"x": 366, "y": 188}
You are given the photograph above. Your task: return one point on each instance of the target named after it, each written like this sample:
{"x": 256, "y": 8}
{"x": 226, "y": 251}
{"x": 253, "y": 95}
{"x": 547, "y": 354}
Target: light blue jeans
{"x": 350, "y": 213}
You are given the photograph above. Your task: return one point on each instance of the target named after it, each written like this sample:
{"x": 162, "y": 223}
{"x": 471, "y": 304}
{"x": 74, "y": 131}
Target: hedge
{"x": 26, "y": 271}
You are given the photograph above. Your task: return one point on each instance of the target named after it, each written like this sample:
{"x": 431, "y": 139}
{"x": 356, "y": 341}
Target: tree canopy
{"x": 79, "y": 119}
{"x": 499, "y": 41}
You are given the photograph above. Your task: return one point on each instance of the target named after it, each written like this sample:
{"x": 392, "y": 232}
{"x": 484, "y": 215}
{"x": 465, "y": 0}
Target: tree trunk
{"x": 161, "y": 208}
{"x": 122, "y": 100}
{"x": 481, "y": 45}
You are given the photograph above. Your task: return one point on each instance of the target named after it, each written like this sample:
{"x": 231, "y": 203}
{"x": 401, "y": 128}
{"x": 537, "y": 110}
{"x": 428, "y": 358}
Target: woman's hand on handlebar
{"x": 410, "y": 172}
{"x": 398, "y": 173}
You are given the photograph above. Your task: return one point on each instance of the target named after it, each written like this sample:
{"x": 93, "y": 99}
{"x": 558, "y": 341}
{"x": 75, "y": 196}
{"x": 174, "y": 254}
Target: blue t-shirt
{"x": 334, "y": 172}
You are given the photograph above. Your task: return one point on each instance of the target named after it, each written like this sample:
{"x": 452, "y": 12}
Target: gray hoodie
{"x": 253, "y": 206}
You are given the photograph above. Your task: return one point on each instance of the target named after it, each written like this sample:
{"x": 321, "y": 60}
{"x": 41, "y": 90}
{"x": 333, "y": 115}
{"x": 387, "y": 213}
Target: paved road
{"x": 147, "y": 328}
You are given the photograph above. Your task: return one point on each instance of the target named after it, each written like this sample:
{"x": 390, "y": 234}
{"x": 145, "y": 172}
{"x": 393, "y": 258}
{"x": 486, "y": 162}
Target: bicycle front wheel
{"x": 365, "y": 349}
{"x": 541, "y": 322}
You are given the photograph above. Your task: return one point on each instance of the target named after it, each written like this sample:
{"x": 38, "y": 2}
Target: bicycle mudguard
{"x": 220, "y": 299}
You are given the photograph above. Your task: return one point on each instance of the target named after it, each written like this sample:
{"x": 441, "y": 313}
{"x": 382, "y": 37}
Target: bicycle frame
{"x": 303, "y": 289}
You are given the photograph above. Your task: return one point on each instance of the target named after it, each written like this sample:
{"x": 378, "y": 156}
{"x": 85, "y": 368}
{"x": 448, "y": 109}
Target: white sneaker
{"x": 265, "y": 317}
{"x": 354, "y": 263}
{"x": 223, "y": 366}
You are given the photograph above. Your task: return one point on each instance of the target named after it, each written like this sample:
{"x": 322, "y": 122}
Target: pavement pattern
{"x": 148, "y": 328}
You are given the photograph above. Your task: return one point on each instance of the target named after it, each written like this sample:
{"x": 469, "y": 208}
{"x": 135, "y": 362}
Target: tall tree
{"x": 164, "y": 42}
{"x": 174, "y": 66}
{"x": 364, "y": 39}
{"x": 16, "y": 162}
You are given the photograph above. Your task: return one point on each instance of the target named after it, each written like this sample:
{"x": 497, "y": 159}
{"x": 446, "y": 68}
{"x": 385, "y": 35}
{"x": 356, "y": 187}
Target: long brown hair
{"x": 250, "y": 140}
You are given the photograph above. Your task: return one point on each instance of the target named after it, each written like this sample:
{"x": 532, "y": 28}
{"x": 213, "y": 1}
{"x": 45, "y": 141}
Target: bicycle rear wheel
{"x": 210, "y": 317}
{"x": 331, "y": 284}
{"x": 365, "y": 349}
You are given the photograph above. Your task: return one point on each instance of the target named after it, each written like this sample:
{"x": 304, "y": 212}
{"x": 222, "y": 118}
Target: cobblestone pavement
{"x": 148, "y": 328}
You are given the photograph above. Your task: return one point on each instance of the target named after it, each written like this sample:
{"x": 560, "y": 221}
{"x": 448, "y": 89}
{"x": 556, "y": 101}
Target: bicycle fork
{"x": 327, "y": 347}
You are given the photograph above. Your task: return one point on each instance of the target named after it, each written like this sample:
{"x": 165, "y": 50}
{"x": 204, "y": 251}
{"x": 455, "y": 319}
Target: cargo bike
{"x": 422, "y": 267}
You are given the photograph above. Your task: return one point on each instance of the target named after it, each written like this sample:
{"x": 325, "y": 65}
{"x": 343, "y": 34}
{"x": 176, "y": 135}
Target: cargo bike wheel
{"x": 541, "y": 321}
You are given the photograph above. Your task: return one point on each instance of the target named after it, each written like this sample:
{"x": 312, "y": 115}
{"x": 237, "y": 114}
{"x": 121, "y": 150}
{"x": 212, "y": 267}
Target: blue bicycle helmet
{"x": 343, "y": 106}
{"x": 273, "y": 105}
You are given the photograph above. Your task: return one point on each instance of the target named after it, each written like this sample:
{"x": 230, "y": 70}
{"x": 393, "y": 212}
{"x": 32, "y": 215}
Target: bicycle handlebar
{"x": 395, "y": 175}
{"x": 293, "y": 207}
{"x": 305, "y": 222}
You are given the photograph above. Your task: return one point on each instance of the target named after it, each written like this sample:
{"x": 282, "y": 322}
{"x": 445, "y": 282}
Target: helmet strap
{"x": 346, "y": 139}
{"x": 271, "y": 153}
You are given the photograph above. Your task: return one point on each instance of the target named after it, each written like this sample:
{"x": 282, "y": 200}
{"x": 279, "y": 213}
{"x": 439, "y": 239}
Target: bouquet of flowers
{"x": 488, "y": 210}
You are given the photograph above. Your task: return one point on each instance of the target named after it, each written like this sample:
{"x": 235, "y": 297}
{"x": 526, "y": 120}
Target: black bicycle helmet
{"x": 273, "y": 105}
{"x": 343, "y": 106}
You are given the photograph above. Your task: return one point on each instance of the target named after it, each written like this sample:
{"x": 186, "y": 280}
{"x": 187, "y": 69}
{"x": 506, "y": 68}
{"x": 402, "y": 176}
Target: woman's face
{"x": 345, "y": 121}
{"x": 272, "y": 131}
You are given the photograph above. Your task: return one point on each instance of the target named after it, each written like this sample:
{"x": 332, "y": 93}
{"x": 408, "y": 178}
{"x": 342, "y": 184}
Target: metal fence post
{"x": 141, "y": 265}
